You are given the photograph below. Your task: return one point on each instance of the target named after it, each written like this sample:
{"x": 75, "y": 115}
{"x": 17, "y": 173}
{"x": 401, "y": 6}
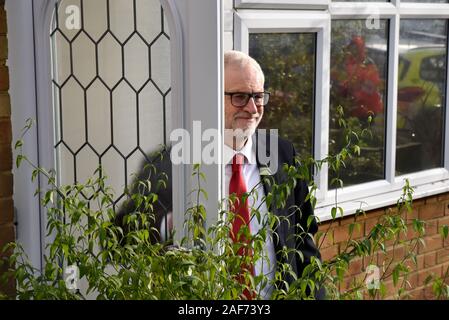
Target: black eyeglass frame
{"x": 248, "y": 96}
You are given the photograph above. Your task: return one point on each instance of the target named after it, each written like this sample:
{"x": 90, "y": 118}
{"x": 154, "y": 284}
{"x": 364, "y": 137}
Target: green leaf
{"x": 333, "y": 213}
{"x": 34, "y": 175}
{"x": 18, "y": 144}
{"x": 395, "y": 276}
{"x": 444, "y": 231}
{"x": 19, "y": 160}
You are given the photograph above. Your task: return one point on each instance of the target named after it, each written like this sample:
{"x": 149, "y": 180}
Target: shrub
{"x": 121, "y": 262}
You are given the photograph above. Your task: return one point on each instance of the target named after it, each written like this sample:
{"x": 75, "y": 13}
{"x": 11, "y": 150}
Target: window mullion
{"x": 321, "y": 136}
{"x": 446, "y": 113}
{"x": 393, "y": 67}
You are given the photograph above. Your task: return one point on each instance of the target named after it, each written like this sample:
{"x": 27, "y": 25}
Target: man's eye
{"x": 239, "y": 97}
{"x": 259, "y": 97}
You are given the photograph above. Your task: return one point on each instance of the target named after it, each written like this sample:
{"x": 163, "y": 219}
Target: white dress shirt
{"x": 267, "y": 263}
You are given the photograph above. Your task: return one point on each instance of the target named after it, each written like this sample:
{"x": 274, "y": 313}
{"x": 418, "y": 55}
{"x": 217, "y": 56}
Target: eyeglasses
{"x": 240, "y": 99}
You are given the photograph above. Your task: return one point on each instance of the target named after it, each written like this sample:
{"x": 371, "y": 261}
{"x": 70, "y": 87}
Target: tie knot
{"x": 237, "y": 162}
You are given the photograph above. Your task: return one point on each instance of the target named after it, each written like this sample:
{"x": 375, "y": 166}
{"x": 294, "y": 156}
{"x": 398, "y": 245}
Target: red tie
{"x": 237, "y": 186}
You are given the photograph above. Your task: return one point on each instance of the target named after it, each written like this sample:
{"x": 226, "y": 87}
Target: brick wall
{"x": 432, "y": 259}
{"x": 6, "y": 178}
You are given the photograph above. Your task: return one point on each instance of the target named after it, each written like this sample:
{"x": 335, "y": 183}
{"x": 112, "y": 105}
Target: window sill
{"x": 379, "y": 194}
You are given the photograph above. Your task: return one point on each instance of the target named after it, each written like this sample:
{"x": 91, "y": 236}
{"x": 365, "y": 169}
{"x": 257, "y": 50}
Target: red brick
{"x": 419, "y": 265}
{"x": 4, "y": 78}
{"x": 323, "y": 226}
{"x": 419, "y": 202}
{"x": 370, "y": 224}
{"x": 329, "y": 253}
{"x": 445, "y": 272}
{"x": 3, "y": 26}
{"x": 3, "y": 47}
{"x": 6, "y": 235}
{"x": 6, "y": 185}
{"x": 326, "y": 239}
{"x": 5, "y": 131}
{"x": 442, "y": 255}
{"x": 410, "y": 234}
{"x": 9, "y": 287}
{"x": 409, "y": 284}
{"x": 352, "y": 282}
{"x": 5, "y": 105}
{"x": 446, "y": 208}
{"x": 375, "y": 213}
{"x": 432, "y": 199}
{"x": 412, "y": 279}
{"x": 431, "y": 227}
{"x": 347, "y": 220}
{"x": 431, "y": 211}
{"x": 428, "y": 293}
{"x": 393, "y": 255}
{"x": 341, "y": 234}
{"x": 415, "y": 294}
{"x": 356, "y": 266}
{"x": 412, "y": 215}
{"x": 369, "y": 215}
{"x": 6, "y": 211}
{"x": 431, "y": 244}
{"x": 443, "y": 222}
{"x": 443, "y": 197}
{"x": 368, "y": 260}
{"x": 430, "y": 259}
{"x": 434, "y": 272}
{"x": 5, "y": 157}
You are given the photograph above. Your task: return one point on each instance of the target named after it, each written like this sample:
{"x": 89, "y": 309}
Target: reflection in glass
{"x": 288, "y": 61}
{"x": 358, "y": 82}
{"x": 421, "y": 95}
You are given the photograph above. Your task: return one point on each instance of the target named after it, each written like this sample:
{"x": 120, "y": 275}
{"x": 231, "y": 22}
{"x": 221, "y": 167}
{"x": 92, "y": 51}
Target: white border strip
{"x": 282, "y": 4}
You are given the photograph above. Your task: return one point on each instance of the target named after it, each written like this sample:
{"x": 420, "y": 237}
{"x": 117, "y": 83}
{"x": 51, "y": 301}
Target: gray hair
{"x": 239, "y": 59}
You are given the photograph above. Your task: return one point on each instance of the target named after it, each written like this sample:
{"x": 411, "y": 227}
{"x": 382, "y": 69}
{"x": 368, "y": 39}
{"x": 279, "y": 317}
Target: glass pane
{"x": 421, "y": 95}
{"x": 111, "y": 90}
{"x": 425, "y": 1}
{"x": 358, "y": 85}
{"x": 288, "y": 61}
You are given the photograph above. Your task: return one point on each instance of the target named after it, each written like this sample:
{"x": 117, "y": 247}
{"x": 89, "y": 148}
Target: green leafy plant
{"x": 121, "y": 262}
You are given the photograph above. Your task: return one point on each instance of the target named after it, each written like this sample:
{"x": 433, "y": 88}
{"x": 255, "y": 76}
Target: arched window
{"x": 111, "y": 88}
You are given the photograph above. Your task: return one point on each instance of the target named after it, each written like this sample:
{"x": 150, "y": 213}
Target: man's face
{"x": 243, "y": 79}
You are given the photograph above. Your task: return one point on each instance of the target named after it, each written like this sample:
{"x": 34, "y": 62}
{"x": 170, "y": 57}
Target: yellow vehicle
{"x": 422, "y": 74}
{"x": 421, "y": 95}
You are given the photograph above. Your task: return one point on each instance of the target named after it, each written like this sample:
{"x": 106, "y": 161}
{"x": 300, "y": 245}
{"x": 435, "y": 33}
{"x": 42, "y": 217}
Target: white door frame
{"x": 197, "y": 94}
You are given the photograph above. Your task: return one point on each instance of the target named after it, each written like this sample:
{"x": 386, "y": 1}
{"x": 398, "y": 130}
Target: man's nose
{"x": 251, "y": 106}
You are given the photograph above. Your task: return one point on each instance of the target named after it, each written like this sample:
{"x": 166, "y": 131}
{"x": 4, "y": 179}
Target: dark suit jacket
{"x": 285, "y": 231}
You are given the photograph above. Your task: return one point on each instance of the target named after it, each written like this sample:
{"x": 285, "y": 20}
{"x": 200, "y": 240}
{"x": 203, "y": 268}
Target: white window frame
{"x": 194, "y": 49}
{"x": 284, "y": 4}
{"x": 370, "y": 195}
{"x": 268, "y": 21}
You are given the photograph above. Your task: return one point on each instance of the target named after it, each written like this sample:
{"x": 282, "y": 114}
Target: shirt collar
{"x": 247, "y": 151}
